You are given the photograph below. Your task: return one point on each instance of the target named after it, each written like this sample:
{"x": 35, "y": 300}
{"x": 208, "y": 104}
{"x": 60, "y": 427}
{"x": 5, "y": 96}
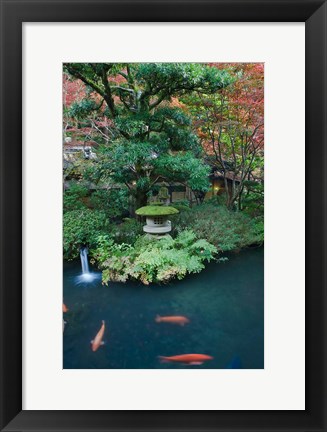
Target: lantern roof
{"x": 156, "y": 210}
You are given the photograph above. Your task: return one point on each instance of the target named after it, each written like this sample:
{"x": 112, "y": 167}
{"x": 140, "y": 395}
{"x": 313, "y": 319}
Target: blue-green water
{"x": 225, "y": 305}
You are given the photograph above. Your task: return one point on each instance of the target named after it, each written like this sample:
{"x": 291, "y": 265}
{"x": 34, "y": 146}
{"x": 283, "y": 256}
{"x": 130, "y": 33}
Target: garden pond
{"x": 224, "y": 303}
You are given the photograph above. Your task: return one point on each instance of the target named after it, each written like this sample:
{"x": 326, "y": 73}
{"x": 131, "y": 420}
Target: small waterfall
{"x": 84, "y": 261}
{"x": 86, "y": 276}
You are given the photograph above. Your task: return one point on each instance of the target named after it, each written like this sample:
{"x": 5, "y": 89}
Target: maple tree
{"x": 230, "y": 124}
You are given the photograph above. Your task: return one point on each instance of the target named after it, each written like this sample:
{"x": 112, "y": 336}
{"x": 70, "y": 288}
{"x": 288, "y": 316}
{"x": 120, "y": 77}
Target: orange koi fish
{"x": 181, "y": 320}
{"x": 189, "y": 359}
{"x": 97, "y": 341}
{"x": 64, "y": 308}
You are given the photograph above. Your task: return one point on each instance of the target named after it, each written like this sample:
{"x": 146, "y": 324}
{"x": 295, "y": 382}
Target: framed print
{"x": 140, "y": 161}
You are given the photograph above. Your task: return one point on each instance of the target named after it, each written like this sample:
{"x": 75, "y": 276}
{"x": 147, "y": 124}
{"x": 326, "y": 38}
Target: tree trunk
{"x": 231, "y": 199}
{"x": 240, "y": 199}
{"x": 141, "y": 199}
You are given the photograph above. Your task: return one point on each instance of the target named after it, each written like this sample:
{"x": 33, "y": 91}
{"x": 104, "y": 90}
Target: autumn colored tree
{"x": 231, "y": 127}
{"x": 146, "y": 137}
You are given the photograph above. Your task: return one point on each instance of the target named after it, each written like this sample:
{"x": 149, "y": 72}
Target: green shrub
{"x": 181, "y": 207}
{"x": 153, "y": 260}
{"x": 227, "y": 230}
{"x": 156, "y": 203}
{"x": 82, "y": 227}
{"x": 80, "y": 109}
{"x": 114, "y": 202}
{"x": 126, "y": 232}
{"x": 74, "y": 197}
{"x": 181, "y": 202}
{"x": 253, "y": 200}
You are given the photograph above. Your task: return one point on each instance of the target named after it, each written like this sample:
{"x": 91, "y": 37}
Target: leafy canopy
{"x": 149, "y": 137}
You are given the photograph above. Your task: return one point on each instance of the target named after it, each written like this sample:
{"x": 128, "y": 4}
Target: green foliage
{"x": 151, "y": 139}
{"x": 82, "y": 227}
{"x": 134, "y": 125}
{"x": 122, "y": 155}
{"x": 114, "y": 202}
{"x": 126, "y": 232}
{"x": 226, "y": 229}
{"x": 253, "y": 200}
{"x": 153, "y": 260}
{"x": 258, "y": 226}
{"x": 73, "y": 197}
{"x": 185, "y": 168}
{"x": 156, "y": 203}
{"x": 81, "y": 109}
{"x": 177, "y": 78}
{"x": 182, "y": 207}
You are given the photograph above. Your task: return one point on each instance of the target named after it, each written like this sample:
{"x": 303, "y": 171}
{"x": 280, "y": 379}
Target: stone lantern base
{"x": 157, "y": 225}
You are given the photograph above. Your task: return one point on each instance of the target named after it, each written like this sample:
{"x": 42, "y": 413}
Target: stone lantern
{"x": 156, "y": 218}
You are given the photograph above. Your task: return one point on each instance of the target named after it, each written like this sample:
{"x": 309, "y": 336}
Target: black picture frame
{"x": 13, "y": 14}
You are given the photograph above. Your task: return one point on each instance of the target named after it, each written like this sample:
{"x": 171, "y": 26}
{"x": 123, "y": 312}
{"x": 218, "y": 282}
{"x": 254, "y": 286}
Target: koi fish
{"x": 63, "y": 325}
{"x": 189, "y": 359}
{"x": 64, "y": 308}
{"x": 97, "y": 341}
{"x": 181, "y": 320}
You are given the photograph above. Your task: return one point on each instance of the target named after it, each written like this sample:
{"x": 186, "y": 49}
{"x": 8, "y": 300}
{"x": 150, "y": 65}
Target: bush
{"x": 227, "y": 230}
{"x": 181, "y": 207}
{"x": 74, "y": 197}
{"x": 153, "y": 260}
{"x": 253, "y": 200}
{"x": 114, "y": 202}
{"x": 126, "y": 232}
{"x": 182, "y": 202}
{"x": 82, "y": 227}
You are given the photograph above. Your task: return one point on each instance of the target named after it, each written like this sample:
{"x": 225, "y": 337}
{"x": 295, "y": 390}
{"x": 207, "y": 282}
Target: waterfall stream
{"x": 87, "y": 275}
{"x": 84, "y": 261}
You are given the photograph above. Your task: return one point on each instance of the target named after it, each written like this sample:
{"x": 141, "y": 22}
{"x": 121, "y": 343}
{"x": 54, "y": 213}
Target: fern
{"x": 153, "y": 260}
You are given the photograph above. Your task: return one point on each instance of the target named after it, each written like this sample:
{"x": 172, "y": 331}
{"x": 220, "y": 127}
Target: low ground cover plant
{"x": 227, "y": 230}
{"x": 153, "y": 260}
{"x": 82, "y": 228}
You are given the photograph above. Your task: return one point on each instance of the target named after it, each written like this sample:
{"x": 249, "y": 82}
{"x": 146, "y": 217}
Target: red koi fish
{"x": 189, "y": 359}
{"x": 64, "y": 308}
{"x": 181, "y": 320}
{"x": 97, "y": 341}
